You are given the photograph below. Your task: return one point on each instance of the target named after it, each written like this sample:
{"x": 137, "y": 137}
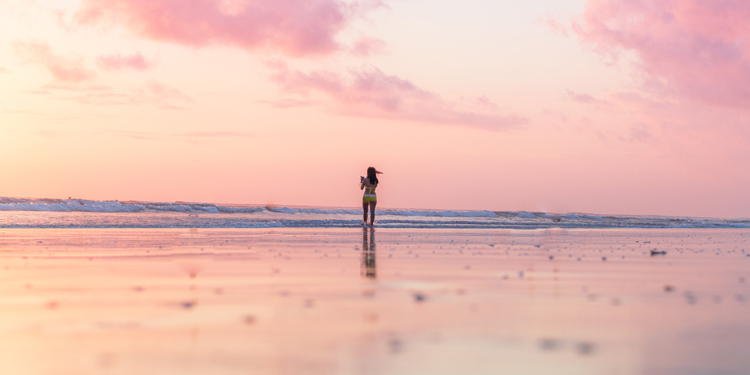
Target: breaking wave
{"x": 82, "y": 213}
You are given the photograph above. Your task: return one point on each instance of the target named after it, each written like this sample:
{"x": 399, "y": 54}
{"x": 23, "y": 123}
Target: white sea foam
{"x": 432, "y": 213}
{"x": 64, "y": 213}
{"x": 82, "y": 205}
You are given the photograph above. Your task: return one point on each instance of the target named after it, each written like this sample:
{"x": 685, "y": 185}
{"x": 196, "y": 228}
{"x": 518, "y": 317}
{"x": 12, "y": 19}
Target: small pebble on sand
{"x": 585, "y": 348}
{"x": 550, "y": 344}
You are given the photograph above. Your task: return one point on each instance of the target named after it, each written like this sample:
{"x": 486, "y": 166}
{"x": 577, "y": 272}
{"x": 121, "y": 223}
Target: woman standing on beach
{"x": 369, "y": 199}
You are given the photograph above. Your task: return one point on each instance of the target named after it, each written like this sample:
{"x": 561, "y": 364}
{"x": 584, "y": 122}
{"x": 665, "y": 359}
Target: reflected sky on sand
{"x": 319, "y": 301}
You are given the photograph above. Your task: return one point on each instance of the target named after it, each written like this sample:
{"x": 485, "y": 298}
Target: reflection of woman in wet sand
{"x": 369, "y": 199}
{"x": 368, "y": 268}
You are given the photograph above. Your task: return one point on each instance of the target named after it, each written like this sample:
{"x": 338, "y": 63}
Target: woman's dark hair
{"x": 372, "y": 175}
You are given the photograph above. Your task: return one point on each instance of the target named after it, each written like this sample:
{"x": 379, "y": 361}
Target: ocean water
{"x": 81, "y": 213}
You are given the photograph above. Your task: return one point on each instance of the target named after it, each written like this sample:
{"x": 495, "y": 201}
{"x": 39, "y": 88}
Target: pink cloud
{"x": 135, "y": 61}
{"x": 366, "y": 46}
{"x": 153, "y": 92}
{"x": 581, "y": 98}
{"x": 690, "y": 48}
{"x": 554, "y": 25}
{"x": 374, "y": 94}
{"x": 484, "y": 101}
{"x": 64, "y": 69}
{"x": 294, "y": 27}
{"x": 585, "y": 98}
{"x": 165, "y": 92}
{"x": 678, "y": 127}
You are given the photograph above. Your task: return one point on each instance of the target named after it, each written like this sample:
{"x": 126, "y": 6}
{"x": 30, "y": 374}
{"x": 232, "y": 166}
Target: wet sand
{"x": 392, "y": 301}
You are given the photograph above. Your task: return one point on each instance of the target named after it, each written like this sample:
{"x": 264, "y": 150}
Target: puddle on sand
{"x": 388, "y": 301}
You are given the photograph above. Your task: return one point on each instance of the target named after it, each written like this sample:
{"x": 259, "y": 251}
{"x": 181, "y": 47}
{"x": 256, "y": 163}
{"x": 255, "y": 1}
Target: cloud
{"x": 373, "y": 94}
{"x": 164, "y": 92}
{"x": 554, "y": 25}
{"x": 74, "y": 82}
{"x": 484, "y": 101}
{"x": 293, "y": 27}
{"x": 692, "y": 49}
{"x": 63, "y": 69}
{"x": 366, "y": 46}
{"x": 581, "y": 98}
{"x": 135, "y": 61}
{"x": 585, "y": 98}
{"x": 676, "y": 126}
{"x": 152, "y": 92}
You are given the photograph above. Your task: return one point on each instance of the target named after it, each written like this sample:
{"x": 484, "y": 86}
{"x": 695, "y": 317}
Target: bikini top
{"x": 370, "y": 189}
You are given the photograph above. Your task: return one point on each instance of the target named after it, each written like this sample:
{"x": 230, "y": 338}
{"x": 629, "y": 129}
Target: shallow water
{"x": 18, "y": 213}
{"x": 388, "y": 301}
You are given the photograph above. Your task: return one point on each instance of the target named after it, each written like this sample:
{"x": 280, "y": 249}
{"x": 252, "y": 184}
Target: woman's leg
{"x": 364, "y": 208}
{"x": 372, "y": 212}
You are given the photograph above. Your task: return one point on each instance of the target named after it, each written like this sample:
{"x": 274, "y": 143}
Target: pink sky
{"x": 602, "y": 106}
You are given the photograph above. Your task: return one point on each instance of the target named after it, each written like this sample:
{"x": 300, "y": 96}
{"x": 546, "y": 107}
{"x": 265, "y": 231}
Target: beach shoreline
{"x": 364, "y": 301}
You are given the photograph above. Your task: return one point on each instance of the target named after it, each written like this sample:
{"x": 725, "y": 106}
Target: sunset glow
{"x": 600, "y": 106}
